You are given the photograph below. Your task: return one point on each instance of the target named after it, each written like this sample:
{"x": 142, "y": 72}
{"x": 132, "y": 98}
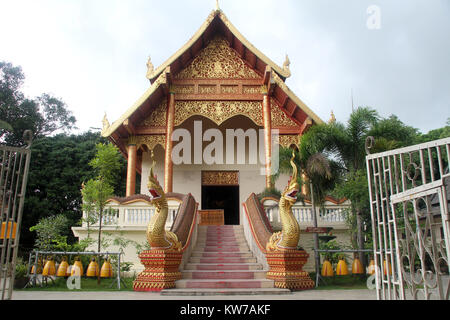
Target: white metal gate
{"x": 409, "y": 193}
{"x": 14, "y": 166}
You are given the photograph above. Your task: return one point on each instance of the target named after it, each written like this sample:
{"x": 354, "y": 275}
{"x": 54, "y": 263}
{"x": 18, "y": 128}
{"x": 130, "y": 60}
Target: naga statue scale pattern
{"x": 157, "y": 236}
{"x": 288, "y": 238}
{"x": 163, "y": 259}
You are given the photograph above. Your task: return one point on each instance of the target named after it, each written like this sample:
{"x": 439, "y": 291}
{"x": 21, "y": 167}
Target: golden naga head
{"x": 291, "y": 191}
{"x": 154, "y": 188}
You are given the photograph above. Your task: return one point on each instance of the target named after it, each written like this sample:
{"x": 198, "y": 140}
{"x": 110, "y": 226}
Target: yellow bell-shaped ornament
{"x": 49, "y": 268}
{"x": 39, "y": 268}
{"x": 62, "y": 269}
{"x": 341, "y": 268}
{"x": 77, "y": 268}
{"x": 388, "y": 269}
{"x": 92, "y": 270}
{"x": 69, "y": 270}
{"x": 106, "y": 271}
{"x": 327, "y": 269}
{"x": 357, "y": 267}
{"x": 371, "y": 267}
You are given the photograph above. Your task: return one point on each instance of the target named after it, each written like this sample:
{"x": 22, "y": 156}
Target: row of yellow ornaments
{"x": 342, "y": 269}
{"x": 64, "y": 270}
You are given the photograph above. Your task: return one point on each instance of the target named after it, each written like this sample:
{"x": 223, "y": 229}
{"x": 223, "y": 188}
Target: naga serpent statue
{"x": 157, "y": 236}
{"x": 287, "y": 239}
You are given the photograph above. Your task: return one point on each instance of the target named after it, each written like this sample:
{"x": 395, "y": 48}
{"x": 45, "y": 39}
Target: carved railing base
{"x": 286, "y": 269}
{"x": 161, "y": 270}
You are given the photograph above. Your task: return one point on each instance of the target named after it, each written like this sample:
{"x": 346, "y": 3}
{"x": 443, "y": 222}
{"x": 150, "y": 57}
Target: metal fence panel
{"x": 14, "y": 167}
{"x": 409, "y": 190}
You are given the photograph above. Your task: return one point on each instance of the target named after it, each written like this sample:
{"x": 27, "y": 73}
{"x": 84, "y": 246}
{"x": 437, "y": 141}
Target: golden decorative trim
{"x": 279, "y": 118}
{"x": 132, "y": 141}
{"x": 220, "y": 178}
{"x": 217, "y": 61}
{"x": 281, "y": 71}
{"x": 184, "y": 89}
{"x": 151, "y": 141}
{"x": 158, "y": 116}
{"x": 288, "y": 140}
{"x": 228, "y": 89}
{"x": 218, "y": 111}
{"x": 251, "y": 89}
{"x": 207, "y": 89}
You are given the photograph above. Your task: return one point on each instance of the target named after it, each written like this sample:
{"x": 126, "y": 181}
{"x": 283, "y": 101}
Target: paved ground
{"x": 362, "y": 294}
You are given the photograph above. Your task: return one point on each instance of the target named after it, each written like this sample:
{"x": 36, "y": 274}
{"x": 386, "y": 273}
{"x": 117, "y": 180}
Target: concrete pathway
{"x": 362, "y": 294}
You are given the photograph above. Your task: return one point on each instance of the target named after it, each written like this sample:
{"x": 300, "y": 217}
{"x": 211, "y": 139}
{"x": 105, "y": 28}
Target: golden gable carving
{"x": 279, "y": 118}
{"x": 217, "y": 61}
{"x": 218, "y": 111}
{"x": 158, "y": 116}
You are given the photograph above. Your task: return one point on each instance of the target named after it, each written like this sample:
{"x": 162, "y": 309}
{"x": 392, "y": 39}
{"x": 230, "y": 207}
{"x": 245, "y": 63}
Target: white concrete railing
{"x": 133, "y": 215}
{"x": 303, "y": 213}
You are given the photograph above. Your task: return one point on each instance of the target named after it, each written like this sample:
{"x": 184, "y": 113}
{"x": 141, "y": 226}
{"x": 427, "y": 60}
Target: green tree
{"x": 49, "y": 230}
{"x": 43, "y": 115}
{"x": 96, "y": 192}
{"x": 345, "y": 144}
{"x": 436, "y": 134}
{"x": 59, "y": 165}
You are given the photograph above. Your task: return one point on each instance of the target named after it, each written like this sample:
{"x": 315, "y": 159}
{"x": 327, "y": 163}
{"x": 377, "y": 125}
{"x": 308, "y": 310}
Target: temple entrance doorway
{"x": 220, "y": 190}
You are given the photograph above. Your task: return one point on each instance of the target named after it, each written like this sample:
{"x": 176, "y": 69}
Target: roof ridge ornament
{"x": 286, "y": 65}
{"x": 106, "y": 124}
{"x": 150, "y": 68}
{"x": 217, "y": 5}
{"x": 332, "y": 119}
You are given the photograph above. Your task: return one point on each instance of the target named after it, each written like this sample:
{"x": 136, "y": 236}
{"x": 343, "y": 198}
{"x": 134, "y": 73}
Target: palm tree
{"x": 320, "y": 179}
{"x": 345, "y": 144}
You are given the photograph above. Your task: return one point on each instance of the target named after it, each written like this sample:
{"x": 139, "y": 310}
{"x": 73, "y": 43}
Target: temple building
{"x": 212, "y": 118}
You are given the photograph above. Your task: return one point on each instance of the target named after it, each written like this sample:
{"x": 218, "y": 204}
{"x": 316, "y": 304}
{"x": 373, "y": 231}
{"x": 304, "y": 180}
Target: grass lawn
{"x": 341, "y": 282}
{"x": 87, "y": 284}
{"x": 90, "y": 284}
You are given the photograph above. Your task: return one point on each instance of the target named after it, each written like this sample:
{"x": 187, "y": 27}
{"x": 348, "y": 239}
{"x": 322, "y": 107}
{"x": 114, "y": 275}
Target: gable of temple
{"x": 217, "y": 74}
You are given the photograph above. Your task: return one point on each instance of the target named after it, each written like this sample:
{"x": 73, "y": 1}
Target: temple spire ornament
{"x": 332, "y": 119}
{"x": 150, "y": 68}
{"x": 286, "y": 65}
{"x": 217, "y": 5}
{"x": 106, "y": 124}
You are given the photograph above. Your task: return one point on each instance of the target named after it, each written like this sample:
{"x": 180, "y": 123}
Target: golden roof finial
{"x": 105, "y": 123}
{"x": 150, "y": 67}
{"x": 217, "y": 5}
{"x": 333, "y": 118}
{"x": 286, "y": 63}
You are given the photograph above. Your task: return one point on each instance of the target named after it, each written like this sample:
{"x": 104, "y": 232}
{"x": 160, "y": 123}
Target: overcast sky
{"x": 92, "y": 53}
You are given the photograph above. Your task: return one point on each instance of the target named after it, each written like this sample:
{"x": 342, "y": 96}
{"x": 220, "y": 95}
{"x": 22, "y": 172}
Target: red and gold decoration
{"x": 93, "y": 269}
{"x": 49, "y": 268}
{"x": 220, "y": 178}
{"x": 62, "y": 269}
{"x": 286, "y": 269}
{"x": 163, "y": 260}
{"x": 106, "y": 271}
{"x": 161, "y": 270}
{"x": 77, "y": 268}
{"x": 327, "y": 269}
{"x": 341, "y": 268}
{"x": 357, "y": 267}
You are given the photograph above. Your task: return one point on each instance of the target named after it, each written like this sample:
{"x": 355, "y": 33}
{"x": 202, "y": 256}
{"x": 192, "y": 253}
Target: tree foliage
{"x": 58, "y": 167}
{"x": 43, "y": 115}
{"x": 48, "y": 230}
{"x": 97, "y": 191}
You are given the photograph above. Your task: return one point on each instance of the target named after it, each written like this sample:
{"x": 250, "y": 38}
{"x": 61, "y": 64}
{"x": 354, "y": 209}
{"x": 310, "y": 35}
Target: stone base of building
{"x": 286, "y": 269}
{"x": 161, "y": 270}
